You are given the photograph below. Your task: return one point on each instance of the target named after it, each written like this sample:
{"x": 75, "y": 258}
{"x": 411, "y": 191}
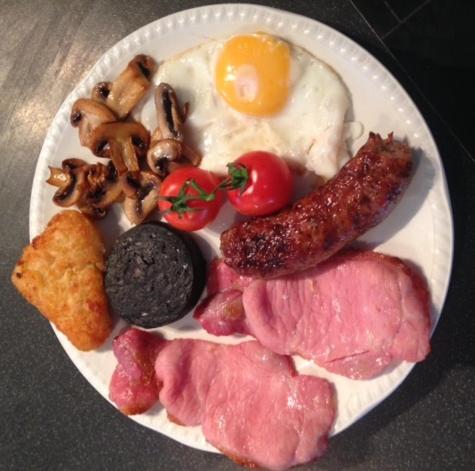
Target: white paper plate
{"x": 419, "y": 229}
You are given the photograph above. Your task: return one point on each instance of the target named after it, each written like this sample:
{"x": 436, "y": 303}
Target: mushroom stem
{"x": 116, "y": 155}
{"x": 124, "y": 143}
{"x": 57, "y": 177}
{"x": 128, "y": 153}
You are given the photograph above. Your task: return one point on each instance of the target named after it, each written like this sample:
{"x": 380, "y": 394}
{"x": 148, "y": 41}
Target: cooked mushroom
{"x": 167, "y": 150}
{"x": 130, "y": 184}
{"x": 137, "y": 209}
{"x": 124, "y": 144}
{"x": 156, "y": 136}
{"x": 70, "y": 179}
{"x": 168, "y": 155}
{"x": 92, "y": 187}
{"x": 60, "y": 176}
{"x": 161, "y": 153}
{"x": 128, "y": 88}
{"x": 169, "y": 115}
{"x": 102, "y": 186}
{"x": 94, "y": 213}
{"x": 87, "y": 115}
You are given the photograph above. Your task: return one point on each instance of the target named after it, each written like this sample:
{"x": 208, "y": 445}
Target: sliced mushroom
{"x": 103, "y": 186}
{"x": 137, "y": 209}
{"x": 156, "y": 136}
{"x": 59, "y": 176}
{"x": 94, "y": 213}
{"x": 70, "y": 179}
{"x": 88, "y": 115}
{"x": 124, "y": 144}
{"x": 169, "y": 115}
{"x": 167, "y": 150}
{"x": 168, "y": 155}
{"x": 92, "y": 187}
{"x": 74, "y": 163}
{"x": 128, "y": 88}
{"x": 130, "y": 184}
{"x": 161, "y": 153}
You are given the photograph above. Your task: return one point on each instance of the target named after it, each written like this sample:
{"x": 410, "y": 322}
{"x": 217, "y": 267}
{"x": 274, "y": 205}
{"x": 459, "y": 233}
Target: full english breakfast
{"x": 237, "y": 120}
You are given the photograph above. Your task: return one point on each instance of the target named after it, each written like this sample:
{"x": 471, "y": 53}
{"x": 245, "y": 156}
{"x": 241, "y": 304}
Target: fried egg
{"x": 259, "y": 92}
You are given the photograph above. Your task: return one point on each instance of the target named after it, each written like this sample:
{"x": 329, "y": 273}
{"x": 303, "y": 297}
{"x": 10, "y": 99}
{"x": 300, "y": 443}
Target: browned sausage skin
{"x": 359, "y": 197}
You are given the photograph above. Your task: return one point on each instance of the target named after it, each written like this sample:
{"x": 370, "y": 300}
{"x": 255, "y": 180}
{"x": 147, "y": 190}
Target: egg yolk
{"x": 252, "y": 74}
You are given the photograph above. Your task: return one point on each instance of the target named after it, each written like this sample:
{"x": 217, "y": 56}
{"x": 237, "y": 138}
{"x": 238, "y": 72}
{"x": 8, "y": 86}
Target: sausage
{"x": 358, "y": 198}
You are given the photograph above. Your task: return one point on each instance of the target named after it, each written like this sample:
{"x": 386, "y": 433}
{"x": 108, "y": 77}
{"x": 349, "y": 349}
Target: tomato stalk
{"x": 179, "y": 203}
{"x": 238, "y": 176}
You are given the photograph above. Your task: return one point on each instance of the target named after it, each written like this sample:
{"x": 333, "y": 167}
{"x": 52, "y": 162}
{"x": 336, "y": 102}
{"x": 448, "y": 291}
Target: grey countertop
{"x": 51, "y": 418}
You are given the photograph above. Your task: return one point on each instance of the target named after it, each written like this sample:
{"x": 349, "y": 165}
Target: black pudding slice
{"x": 154, "y": 275}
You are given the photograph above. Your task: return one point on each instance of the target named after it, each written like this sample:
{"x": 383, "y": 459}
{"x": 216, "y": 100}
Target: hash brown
{"x": 61, "y": 274}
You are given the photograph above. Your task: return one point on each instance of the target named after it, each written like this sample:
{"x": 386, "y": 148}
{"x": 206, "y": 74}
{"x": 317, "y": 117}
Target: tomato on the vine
{"x": 261, "y": 183}
{"x": 188, "y": 198}
{"x": 258, "y": 183}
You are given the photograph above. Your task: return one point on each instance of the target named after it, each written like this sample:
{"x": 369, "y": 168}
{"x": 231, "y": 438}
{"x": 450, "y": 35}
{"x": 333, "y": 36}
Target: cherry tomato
{"x": 266, "y": 188}
{"x": 188, "y": 199}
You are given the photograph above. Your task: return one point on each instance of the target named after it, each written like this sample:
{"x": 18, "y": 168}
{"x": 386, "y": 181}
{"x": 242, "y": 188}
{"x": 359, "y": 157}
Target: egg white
{"x": 308, "y": 131}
